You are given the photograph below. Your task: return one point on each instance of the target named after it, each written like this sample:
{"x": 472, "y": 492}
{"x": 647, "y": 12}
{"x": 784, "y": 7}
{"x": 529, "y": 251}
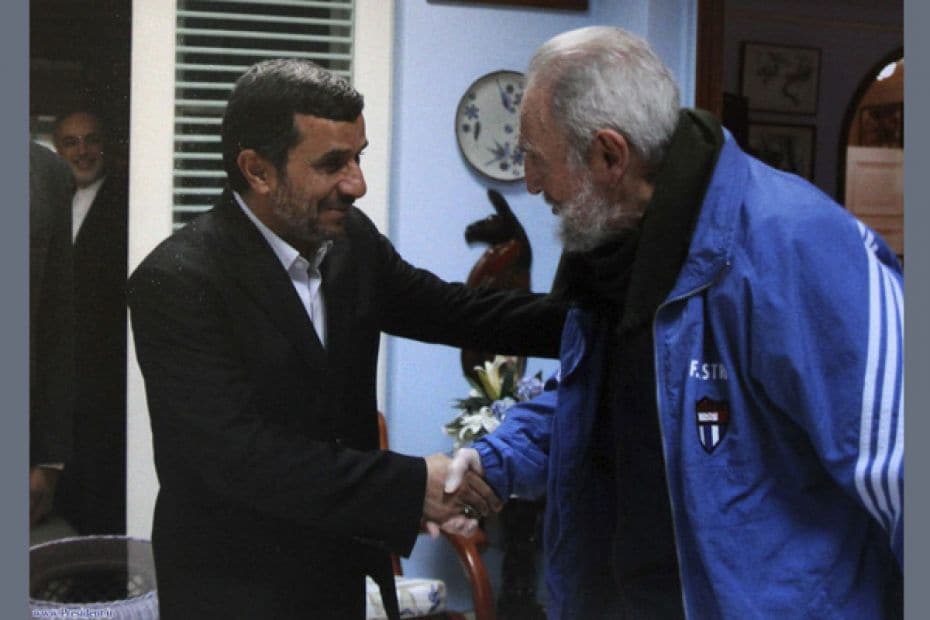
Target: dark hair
{"x": 261, "y": 108}
{"x": 102, "y": 121}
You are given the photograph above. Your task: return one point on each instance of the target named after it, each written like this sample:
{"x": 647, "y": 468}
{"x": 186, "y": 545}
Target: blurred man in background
{"x": 92, "y": 494}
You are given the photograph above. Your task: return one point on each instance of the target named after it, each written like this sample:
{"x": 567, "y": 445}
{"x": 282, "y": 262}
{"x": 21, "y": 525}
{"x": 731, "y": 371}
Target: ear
{"x": 610, "y": 156}
{"x": 257, "y": 170}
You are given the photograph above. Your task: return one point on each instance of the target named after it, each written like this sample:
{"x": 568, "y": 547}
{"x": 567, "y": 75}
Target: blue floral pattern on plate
{"x": 487, "y": 124}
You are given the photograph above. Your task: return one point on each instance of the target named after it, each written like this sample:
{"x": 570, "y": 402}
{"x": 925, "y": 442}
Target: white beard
{"x": 586, "y": 221}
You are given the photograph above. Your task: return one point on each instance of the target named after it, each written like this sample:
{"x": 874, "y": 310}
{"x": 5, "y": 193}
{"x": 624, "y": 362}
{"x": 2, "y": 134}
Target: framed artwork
{"x": 780, "y": 78}
{"x": 572, "y": 5}
{"x": 786, "y": 147}
{"x": 882, "y": 125}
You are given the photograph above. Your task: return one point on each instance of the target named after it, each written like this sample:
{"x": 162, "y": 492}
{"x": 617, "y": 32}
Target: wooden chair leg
{"x": 468, "y": 551}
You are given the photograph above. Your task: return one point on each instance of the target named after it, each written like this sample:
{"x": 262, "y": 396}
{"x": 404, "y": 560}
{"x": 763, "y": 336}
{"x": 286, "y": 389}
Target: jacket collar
{"x": 667, "y": 226}
{"x": 285, "y": 252}
{"x": 710, "y": 252}
{"x": 253, "y": 265}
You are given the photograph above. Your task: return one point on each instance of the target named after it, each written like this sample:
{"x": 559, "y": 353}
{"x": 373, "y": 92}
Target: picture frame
{"x": 882, "y": 125}
{"x": 784, "y": 146}
{"x": 780, "y": 78}
{"x": 567, "y": 5}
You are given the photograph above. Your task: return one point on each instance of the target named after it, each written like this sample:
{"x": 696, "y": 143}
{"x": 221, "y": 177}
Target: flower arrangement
{"x": 499, "y": 387}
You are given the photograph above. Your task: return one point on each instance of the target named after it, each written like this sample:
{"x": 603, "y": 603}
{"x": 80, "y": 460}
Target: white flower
{"x": 491, "y": 377}
{"x": 490, "y": 396}
{"x": 473, "y": 425}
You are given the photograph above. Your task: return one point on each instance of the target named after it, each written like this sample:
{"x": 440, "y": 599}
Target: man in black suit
{"x": 92, "y": 493}
{"x": 257, "y": 329}
{"x": 51, "y": 352}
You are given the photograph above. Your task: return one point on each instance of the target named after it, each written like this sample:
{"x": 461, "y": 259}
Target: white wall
{"x": 150, "y": 198}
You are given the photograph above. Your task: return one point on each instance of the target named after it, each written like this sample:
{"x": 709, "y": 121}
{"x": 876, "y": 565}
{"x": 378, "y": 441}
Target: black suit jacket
{"x": 265, "y": 443}
{"x": 92, "y": 489}
{"x": 51, "y": 318}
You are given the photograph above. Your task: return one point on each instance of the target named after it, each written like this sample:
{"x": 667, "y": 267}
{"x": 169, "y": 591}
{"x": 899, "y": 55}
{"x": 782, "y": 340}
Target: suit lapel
{"x": 348, "y": 286}
{"x": 253, "y": 265}
{"x": 335, "y": 272}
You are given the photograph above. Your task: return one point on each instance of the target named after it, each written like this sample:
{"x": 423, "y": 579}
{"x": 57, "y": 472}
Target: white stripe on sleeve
{"x": 882, "y": 414}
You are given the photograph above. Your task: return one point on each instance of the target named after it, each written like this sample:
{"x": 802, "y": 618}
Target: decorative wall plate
{"x": 487, "y": 125}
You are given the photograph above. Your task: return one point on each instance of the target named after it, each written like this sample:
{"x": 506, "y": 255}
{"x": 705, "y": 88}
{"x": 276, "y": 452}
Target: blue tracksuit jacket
{"x": 778, "y": 369}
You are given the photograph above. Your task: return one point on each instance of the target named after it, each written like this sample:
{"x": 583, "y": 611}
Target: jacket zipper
{"x": 668, "y": 487}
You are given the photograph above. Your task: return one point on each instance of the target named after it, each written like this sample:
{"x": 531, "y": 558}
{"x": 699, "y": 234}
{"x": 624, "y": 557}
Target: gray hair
{"x": 605, "y": 77}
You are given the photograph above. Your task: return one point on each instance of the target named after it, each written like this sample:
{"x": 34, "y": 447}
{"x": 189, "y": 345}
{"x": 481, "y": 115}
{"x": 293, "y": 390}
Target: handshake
{"x": 456, "y": 494}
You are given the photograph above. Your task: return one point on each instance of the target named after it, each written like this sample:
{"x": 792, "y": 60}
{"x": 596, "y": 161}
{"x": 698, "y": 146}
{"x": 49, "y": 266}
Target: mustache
{"x": 340, "y": 202}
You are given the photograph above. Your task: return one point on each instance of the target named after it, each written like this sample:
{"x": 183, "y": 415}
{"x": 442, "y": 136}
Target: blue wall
{"x": 440, "y": 49}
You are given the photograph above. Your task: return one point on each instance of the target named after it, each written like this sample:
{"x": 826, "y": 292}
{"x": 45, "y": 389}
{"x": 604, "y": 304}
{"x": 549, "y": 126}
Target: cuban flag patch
{"x": 713, "y": 418}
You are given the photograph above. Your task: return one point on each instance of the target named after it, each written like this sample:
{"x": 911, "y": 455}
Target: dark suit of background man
{"x": 51, "y": 352}
{"x": 274, "y": 500}
{"x": 92, "y": 494}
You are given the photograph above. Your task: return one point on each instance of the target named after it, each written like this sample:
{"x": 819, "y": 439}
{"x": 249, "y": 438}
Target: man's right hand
{"x": 471, "y": 498}
{"x": 464, "y": 460}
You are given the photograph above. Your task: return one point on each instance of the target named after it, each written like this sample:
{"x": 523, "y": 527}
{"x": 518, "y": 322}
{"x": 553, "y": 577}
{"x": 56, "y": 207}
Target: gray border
{"x": 14, "y": 382}
{"x": 916, "y": 303}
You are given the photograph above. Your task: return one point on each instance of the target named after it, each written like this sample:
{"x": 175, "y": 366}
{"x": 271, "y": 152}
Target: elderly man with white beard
{"x": 724, "y": 436}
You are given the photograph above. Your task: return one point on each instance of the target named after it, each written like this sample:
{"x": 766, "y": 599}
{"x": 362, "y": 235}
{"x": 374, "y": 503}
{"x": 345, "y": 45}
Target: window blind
{"x": 217, "y": 40}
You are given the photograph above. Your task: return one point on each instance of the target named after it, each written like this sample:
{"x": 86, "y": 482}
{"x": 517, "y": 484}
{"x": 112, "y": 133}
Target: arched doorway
{"x": 871, "y": 158}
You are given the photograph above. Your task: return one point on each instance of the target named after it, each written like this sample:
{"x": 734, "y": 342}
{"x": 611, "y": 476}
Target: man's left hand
{"x": 42, "y": 484}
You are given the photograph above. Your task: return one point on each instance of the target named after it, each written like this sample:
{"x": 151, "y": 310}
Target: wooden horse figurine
{"x": 505, "y": 263}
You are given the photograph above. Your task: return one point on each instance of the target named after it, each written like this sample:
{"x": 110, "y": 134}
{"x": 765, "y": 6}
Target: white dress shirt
{"x": 305, "y": 276}
{"x": 80, "y": 205}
